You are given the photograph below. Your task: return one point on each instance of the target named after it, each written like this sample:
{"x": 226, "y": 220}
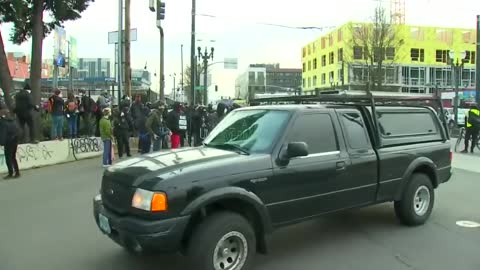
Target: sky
{"x": 236, "y": 31}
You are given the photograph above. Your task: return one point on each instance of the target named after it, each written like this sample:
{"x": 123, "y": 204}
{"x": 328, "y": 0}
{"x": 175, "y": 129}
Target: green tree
{"x": 28, "y": 21}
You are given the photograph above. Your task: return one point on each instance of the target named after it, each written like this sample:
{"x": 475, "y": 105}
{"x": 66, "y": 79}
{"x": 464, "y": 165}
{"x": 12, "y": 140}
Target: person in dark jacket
{"x": 122, "y": 126}
{"x": 57, "y": 110}
{"x": 138, "y": 111}
{"x": 23, "y": 109}
{"x": 177, "y": 123}
{"x": 87, "y": 111}
{"x": 156, "y": 127}
{"x": 216, "y": 117}
{"x": 9, "y": 141}
{"x": 144, "y": 140}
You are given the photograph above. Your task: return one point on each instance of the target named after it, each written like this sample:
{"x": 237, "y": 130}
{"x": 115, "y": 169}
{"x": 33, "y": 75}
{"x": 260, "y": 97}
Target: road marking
{"x": 468, "y": 224}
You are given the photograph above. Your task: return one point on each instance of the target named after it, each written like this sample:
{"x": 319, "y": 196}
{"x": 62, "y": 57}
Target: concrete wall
{"x": 54, "y": 152}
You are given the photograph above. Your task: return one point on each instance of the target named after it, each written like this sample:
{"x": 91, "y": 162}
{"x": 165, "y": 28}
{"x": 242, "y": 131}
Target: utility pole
{"x": 128, "y": 82}
{"x": 193, "y": 64}
{"x": 173, "y": 90}
{"x": 181, "y": 73}
{"x": 477, "y": 80}
{"x": 457, "y": 68}
{"x": 205, "y": 57}
{"x": 160, "y": 17}
{"x": 70, "y": 68}
{"x": 120, "y": 50}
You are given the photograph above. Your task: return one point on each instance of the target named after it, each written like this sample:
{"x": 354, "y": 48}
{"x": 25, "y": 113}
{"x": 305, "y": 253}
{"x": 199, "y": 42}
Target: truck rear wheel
{"x": 224, "y": 241}
{"x": 417, "y": 201}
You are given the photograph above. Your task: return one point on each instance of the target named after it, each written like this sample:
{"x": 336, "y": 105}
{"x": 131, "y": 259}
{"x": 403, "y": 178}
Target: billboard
{"x": 59, "y": 46}
{"x": 73, "y": 53}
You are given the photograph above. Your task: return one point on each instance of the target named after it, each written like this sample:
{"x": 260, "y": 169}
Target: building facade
{"x": 267, "y": 79}
{"x": 93, "y": 67}
{"x": 418, "y": 65}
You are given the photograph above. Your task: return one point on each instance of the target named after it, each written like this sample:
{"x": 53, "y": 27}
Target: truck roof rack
{"x": 368, "y": 99}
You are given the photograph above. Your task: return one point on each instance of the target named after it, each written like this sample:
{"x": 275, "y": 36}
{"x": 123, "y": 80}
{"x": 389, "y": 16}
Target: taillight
{"x": 451, "y": 155}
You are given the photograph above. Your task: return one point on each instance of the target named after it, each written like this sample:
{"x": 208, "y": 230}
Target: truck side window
{"x": 355, "y": 130}
{"x": 317, "y": 131}
{"x": 407, "y": 124}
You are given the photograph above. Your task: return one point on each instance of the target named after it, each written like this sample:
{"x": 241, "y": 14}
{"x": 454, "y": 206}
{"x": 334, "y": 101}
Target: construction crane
{"x": 397, "y": 11}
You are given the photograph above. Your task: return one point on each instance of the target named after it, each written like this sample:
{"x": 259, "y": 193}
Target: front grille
{"x": 116, "y": 197}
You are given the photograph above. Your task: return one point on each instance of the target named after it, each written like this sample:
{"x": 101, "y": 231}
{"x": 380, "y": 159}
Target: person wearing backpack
{"x": 72, "y": 115}
{"x": 9, "y": 140}
{"x": 57, "y": 109}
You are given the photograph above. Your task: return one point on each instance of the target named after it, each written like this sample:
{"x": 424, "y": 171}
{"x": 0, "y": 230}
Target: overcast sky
{"x": 236, "y": 30}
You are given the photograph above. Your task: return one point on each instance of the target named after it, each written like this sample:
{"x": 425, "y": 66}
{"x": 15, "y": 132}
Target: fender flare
{"x": 417, "y": 163}
{"x": 231, "y": 193}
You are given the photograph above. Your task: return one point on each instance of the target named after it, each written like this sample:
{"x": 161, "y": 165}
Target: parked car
{"x": 451, "y": 117}
{"x": 266, "y": 167}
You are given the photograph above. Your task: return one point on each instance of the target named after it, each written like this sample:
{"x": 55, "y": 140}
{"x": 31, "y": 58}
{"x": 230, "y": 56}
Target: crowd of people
{"x": 156, "y": 125}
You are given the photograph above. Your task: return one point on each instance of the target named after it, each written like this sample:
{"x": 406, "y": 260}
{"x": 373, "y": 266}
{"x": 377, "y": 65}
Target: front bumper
{"x": 141, "y": 235}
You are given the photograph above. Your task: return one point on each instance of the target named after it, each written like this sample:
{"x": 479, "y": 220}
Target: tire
{"x": 237, "y": 236}
{"x": 417, "y": 201}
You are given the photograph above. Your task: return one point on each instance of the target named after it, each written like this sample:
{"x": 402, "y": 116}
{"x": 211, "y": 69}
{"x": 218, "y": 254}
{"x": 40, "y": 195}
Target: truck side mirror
{"x": 297, "y": 149}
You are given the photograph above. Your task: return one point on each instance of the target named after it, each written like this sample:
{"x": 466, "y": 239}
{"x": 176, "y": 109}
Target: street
{"x": 46, "y": 223}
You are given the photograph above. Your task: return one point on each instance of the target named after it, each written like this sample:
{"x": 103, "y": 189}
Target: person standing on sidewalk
{"x": 106, "y": 133}
{"x": 56, "y": 108}
{"x": 121, "y": 129}
{"x": 9, "y": 141}
{"x": 472, "y": 128}
{"x": 23, "y": 109}
{"x": 177, "y": 123}
{"x": 156, "y": 128}
{"x": 72, "y": 115}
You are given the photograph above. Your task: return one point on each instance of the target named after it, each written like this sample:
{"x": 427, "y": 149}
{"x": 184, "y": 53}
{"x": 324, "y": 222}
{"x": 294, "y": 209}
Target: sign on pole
{"x": 73, "y": 53}
{"x": 230, "y": 63}
{"x": 113, "y": 36}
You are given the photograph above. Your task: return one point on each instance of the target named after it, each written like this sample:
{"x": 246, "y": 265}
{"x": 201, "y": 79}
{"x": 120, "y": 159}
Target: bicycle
{"x": 461, "y": 137}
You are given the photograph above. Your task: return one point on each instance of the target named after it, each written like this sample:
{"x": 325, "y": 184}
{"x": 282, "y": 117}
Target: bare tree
{"x": 188, "y": 82}
{"x": 375, "y": 46}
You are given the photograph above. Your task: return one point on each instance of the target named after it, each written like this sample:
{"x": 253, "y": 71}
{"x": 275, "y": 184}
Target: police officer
{"x": 472, "y": 127}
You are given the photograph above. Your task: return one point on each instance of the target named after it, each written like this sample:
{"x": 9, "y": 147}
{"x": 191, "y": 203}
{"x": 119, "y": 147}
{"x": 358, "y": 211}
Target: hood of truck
{"x": 190, "y": 163}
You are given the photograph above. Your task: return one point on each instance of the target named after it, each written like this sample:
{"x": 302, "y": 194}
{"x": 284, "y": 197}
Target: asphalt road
{"x": 46, "y": 223}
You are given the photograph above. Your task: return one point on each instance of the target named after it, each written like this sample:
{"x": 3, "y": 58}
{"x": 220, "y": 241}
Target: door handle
{"x": 341, "y": 165}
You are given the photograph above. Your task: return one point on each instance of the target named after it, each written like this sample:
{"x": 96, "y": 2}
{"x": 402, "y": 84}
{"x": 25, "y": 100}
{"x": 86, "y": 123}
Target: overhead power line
{"x": 273, "y": 24}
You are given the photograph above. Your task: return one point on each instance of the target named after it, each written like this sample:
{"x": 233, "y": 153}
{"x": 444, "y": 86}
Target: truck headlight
{"x": 149, "y": 201}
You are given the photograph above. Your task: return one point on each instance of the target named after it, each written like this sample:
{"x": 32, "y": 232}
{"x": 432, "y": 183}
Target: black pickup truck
{"x": 265, "y": 167}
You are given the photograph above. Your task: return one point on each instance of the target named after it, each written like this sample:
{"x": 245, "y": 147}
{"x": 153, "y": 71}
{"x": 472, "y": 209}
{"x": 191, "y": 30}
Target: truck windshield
{"x": 248, "y": 131}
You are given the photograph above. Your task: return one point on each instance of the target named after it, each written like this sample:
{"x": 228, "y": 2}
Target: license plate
{"x": 104, "y": 224}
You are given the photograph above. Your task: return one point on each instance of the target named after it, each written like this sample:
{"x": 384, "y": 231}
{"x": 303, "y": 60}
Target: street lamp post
{"x": 205, "y": 57}
{"x": 173, "y": 90}
{"x": 457, "y": 67}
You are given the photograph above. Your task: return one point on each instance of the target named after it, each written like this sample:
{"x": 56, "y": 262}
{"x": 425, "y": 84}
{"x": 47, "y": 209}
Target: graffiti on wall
{"x": 27, "y": 153}
{"x": 85, "y": 146}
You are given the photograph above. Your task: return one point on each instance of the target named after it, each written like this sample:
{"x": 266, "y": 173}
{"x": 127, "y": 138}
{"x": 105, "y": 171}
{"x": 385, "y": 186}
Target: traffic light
{"x": 160, "y": 10}
{"x": 151, "y": 5}
{"x": 216, "y": 88}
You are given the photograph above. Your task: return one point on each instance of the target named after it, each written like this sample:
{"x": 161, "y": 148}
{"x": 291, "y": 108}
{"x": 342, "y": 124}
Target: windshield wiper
{"x": 228, "y": 146}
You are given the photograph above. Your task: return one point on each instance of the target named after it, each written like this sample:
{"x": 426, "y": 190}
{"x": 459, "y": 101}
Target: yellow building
{"x": 418, "y": 65}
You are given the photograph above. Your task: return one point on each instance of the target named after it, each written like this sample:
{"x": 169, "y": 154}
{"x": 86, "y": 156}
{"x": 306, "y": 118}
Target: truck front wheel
{"x": 417, "y": 201}
{"x": 223, "y": 241}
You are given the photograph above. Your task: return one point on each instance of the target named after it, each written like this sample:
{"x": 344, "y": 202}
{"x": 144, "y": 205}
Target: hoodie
{"x": 8, "y": 130}
{"x": 177, "y": 120}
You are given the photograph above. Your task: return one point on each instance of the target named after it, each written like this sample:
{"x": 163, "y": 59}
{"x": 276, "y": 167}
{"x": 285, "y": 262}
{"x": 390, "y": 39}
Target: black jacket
{"x": 122, "y": 123}
{"x": 23, "y": 103}
{"x": 8, "y": 130}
